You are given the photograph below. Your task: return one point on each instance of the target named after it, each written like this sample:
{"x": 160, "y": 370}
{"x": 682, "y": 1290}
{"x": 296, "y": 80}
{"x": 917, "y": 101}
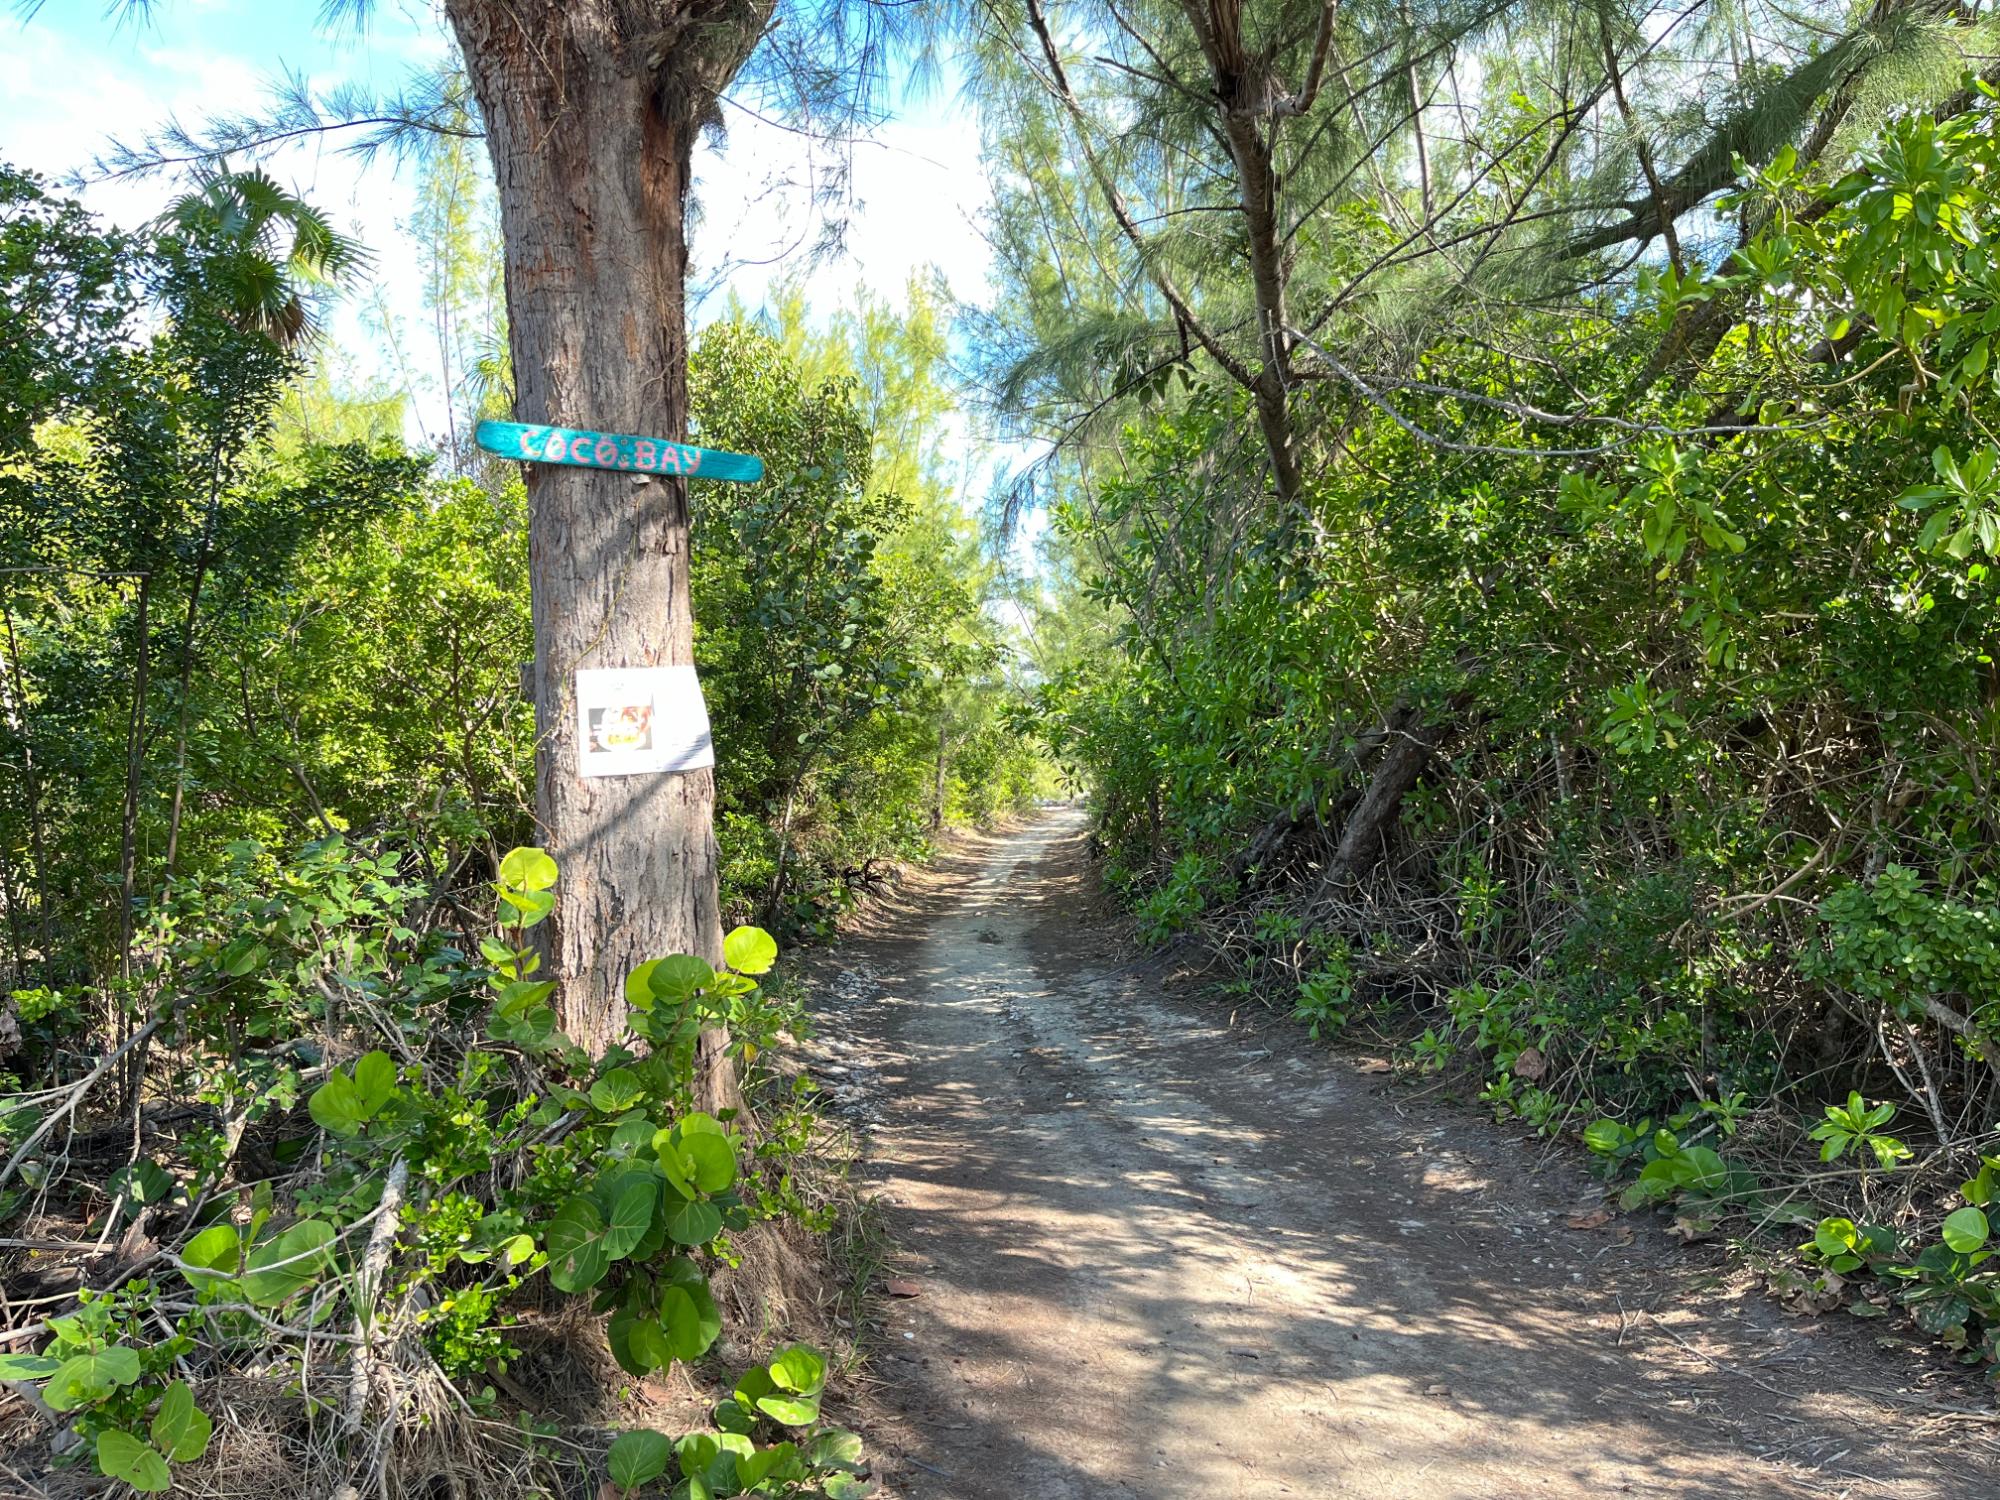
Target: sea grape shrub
{"x": 135, "y": 1415}
{"x": 442, "y": 1171}
{"x": 1941, "y": 1276}
{"x": 768, "y": 1441}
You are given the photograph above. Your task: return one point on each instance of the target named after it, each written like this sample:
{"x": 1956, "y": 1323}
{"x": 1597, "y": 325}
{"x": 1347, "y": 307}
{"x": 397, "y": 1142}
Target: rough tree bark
{"x": 591, "y": 109}
{"x": 1409, "y": 743}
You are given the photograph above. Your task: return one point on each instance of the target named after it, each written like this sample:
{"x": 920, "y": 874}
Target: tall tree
{"x": 592, "y": 108}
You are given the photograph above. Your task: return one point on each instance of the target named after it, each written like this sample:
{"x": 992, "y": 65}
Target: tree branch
{"x": 1301, "y": 102}
{"x": 1059, "y": 87}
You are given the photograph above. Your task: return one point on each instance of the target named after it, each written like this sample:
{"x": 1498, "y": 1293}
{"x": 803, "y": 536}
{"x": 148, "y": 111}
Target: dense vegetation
{"x": 1532, "y": 530}
{"x": 221, "y": 629}
{"x": 275, "y": 1040}
{"x": 1523, "y": 508}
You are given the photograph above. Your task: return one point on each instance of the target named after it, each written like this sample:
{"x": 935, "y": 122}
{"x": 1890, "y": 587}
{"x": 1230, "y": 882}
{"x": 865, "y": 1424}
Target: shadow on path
{"x": 1157, "y": 1258}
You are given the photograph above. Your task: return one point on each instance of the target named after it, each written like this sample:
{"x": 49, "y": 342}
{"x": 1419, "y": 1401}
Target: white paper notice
{"x": 634, "y": 720}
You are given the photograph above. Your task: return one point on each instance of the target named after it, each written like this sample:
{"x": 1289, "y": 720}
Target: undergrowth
{"x": 343, "y": 1158}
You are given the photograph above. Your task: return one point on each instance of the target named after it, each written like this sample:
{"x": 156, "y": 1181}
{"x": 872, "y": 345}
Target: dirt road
{"x": 1164, "y": 1254}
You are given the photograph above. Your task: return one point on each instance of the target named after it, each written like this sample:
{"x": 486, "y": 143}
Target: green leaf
{"x": 618, "y": 1090}
{"x": 374, "y": 1082}
{"x": 639, "y": 985}
{"x": 799, "y": 1369}
{"x": 143, "y": 1181}
{"x": 1966, "y": 1230}
{"x": 1941, "y": 1315}
{"x": 517, "y": 996}
{"x": 123, "y": 1456}
{"x": 336, "y": 1106}
{"x": 578, "y": 1259}
{"x": 684, "y": 1275}
{"x": 213, "y": 1255}
{"x": 635, "y": 1197}
{"x": 89, "y": 1378}
{"x": 532, "y": 1031}
{"x": 679, "y": 978}
{"x": 639, "y": 1344}
{"x": 674, "y": 1162}
{"x": 750, "y": 950}
{"x": 713, "y": 1161}
{"x": 632, "y": 1134}
{"x": 792, "y": 1411}
{"x": 239, "y": 960}
{"x": 836, "y": 1450}
{"x": 697, "y": 1451}
{"x": 119, "y": 1364}
{"x": 1705, "y": 1168}
{"x": 528, "y": 869}
{"x": 754, "y": 1468}
{"x": 1605, "y": 1136}
{"x": 27, "y": 1366}
{"x": 530, "y": 907}
{"x": 1834, "y": 1236}
{"x": 77, "y": 1382}
{"x": 180, "y": 1428}
{"x": 289, "y": 1264}
{"x": 694, "y": 1223}
{"x": 638, "y": 1457}
{"x": 680, "y": 1321}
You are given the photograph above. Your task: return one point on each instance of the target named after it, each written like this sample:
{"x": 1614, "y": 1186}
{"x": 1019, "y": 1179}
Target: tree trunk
{"x": 1365, "y": 836}
{"x": 591, "y": 109}
{"x": 938, "y": 790}
{"x": 135, "y": 751}
{"x": 187, "y": 673}
{"x": 14, "y": 699}
{"x": 784, "y": 849}
{"x": 1252, "y": 861}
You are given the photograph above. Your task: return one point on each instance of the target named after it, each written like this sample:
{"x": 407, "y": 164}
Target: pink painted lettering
{"x": 692, "y": 458}
{"x": 646, "y": 455}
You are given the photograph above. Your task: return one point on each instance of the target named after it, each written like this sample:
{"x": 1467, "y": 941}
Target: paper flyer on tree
{"x": 636, "y": 720}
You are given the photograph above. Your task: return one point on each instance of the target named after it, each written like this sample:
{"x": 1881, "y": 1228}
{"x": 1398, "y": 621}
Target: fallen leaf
{"x": 900, "y": 1286}
{"x": 1623, "y": 1236}
{"x": 1373, "y": 1065}
{"x": 606, "y": 1490}
{"x": 1691, "y": 1229}
{"x": 1437, "y": 1390}
{"x": 1531, "y": 1065}
{"x": 1589, "y": 1218}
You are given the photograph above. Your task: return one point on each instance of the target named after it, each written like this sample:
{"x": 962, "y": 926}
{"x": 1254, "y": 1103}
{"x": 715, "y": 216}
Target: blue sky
{"x": 75, "y": 78}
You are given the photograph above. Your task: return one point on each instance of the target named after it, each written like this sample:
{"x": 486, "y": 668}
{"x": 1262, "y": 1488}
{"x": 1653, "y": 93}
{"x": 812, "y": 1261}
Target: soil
{"x": 1158, "y": 1249}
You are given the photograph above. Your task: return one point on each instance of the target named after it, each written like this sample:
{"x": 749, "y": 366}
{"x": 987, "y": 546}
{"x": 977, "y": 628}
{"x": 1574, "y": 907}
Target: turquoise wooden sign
{"x": 612, "y": 450}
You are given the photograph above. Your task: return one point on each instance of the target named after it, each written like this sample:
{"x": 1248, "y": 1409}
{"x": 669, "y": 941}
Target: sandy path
{"x": 1162, "y": 1257}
